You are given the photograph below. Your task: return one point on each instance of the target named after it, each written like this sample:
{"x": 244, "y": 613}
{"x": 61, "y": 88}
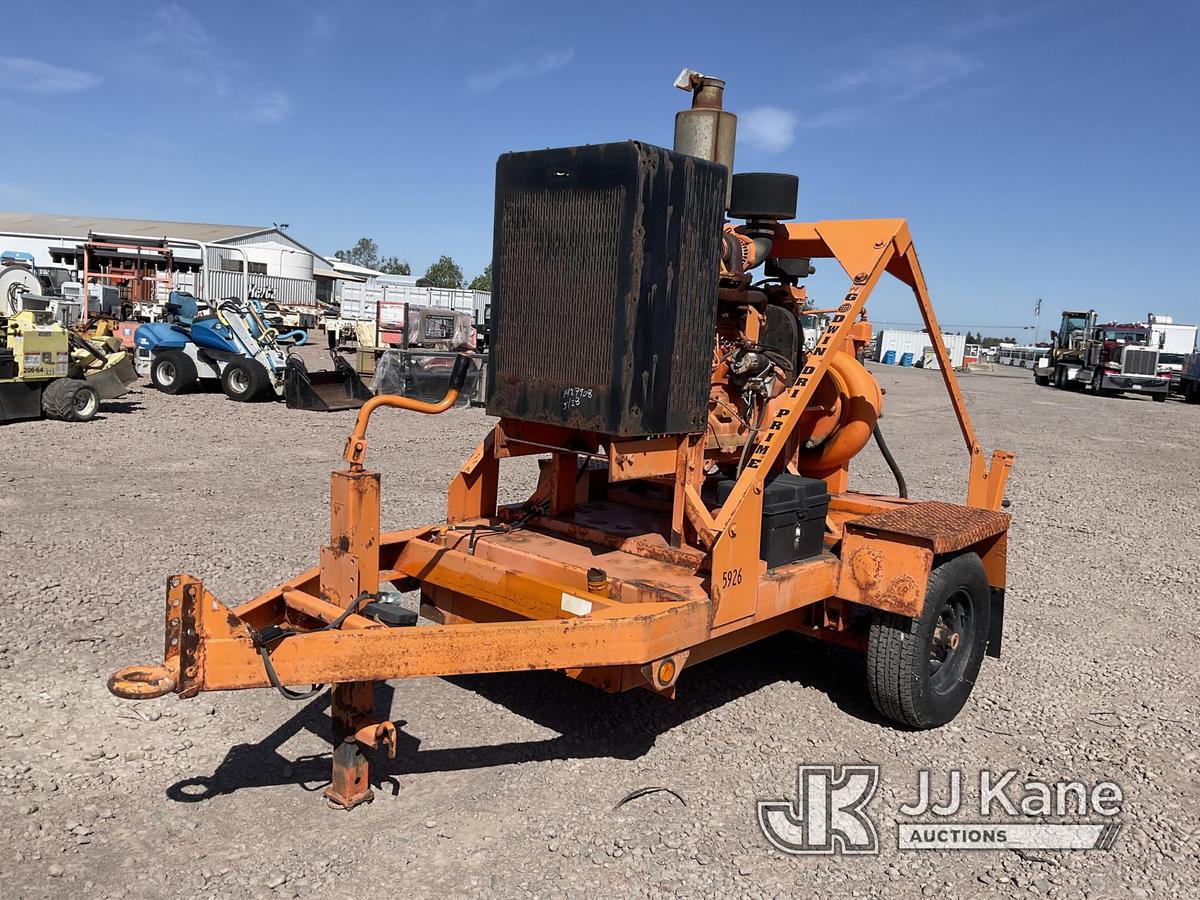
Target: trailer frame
{"x": 613, "y": 593}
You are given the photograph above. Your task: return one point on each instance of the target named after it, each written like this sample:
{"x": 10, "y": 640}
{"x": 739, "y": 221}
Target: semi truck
{"x": 1103, "y": 358}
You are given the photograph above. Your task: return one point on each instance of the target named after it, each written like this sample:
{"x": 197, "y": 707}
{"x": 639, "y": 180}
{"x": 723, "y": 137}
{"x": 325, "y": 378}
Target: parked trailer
{"x": 664, "y": 530}
{"x": 917, "y": 343}
{"x": 1170, "y": 337}
{"x": 1174, "y": 343}
{"x": 1189, "y": 378}
{"x": 360, "y": 302}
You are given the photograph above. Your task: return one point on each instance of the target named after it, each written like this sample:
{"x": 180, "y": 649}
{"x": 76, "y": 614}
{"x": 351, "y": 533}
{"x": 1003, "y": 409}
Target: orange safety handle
{"x": 356, "y": 446}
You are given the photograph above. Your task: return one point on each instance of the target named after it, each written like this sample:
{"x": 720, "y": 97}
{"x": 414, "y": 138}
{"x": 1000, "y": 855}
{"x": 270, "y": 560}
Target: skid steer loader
{"x": 48, "y": 370}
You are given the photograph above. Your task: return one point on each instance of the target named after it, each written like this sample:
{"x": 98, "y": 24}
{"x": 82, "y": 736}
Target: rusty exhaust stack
{"x": 706, "y": 130}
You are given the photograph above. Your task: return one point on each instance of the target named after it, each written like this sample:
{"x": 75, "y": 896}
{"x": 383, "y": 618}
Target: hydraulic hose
{"x": 901, "y": 487}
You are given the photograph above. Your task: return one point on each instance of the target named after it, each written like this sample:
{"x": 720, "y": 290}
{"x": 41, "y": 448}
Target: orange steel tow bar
{"x": 349, "y": 567}
{"x": 143, "y": 682}
{"x": 356, "y": 446}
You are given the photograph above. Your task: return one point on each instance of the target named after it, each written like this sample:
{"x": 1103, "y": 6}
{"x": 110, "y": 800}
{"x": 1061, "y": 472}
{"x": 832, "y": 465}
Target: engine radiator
{"x": 604, "y": 288}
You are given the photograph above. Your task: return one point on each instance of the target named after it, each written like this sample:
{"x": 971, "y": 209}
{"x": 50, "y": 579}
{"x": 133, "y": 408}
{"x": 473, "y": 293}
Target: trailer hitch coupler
{"x": 144, "y": 682}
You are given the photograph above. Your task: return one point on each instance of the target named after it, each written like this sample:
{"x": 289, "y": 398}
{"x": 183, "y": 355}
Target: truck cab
{"x": 1108, "y": 359}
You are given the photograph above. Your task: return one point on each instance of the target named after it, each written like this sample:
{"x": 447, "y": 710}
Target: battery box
{"x": 793, "y": 519}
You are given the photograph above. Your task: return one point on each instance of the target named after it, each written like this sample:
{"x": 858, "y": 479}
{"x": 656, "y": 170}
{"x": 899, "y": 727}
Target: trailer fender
{"x": 887, "y": 557}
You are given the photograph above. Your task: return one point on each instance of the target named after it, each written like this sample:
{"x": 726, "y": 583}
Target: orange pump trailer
{"x": 611, "y": 593}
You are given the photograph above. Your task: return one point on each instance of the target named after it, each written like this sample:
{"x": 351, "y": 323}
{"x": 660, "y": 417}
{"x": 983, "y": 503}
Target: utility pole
{"x": 1037, "y": 320}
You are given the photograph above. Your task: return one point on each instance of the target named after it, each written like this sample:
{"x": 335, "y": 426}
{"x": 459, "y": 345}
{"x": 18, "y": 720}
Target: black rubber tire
{"x": 1041, "y": 380}
{"x": 1097, "y": 381}
{"x": 173, "y": 372}
{"x": 70, "y": 400}
{"x": 1060, "y": 378}
{"x": 901, "y": 675}
{"x": 1159, "y": 398}
{"x": 245, "y": 380}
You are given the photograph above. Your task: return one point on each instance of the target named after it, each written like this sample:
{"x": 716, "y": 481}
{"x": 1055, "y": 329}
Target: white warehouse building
{"x": 280, "y": 268}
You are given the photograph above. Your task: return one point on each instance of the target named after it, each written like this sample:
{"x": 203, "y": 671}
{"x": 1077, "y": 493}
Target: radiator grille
{"x": 1139, "y": 361}
{"x": 704, "y": 202}
{"x": 607, "y": 260}
{"x": 560, "y": 254}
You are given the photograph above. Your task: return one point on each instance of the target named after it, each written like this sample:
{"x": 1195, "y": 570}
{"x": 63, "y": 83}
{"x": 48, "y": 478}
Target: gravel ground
{"x": 506, "y": 785}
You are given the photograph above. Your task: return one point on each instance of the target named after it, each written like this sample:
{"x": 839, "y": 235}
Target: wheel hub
{"x": 950, "y": 641}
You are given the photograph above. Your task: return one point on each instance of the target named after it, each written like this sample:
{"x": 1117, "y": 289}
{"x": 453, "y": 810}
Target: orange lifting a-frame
{"x": 614, "y": 592}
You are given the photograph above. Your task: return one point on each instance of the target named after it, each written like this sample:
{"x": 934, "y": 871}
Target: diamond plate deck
{"x": 947, "y": 526}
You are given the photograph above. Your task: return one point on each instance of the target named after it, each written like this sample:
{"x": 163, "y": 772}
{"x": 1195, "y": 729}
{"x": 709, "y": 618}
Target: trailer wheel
{"x": 70, "y": 400}
{"x": 173, "y": 372}
{"x": 244, "y": 380}
{"x": 920, "y": 671}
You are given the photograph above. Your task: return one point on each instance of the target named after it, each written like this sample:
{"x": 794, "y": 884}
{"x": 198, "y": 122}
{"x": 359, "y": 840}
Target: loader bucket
{"x": 323, "y": 391}
{"x": 112, "y": 381}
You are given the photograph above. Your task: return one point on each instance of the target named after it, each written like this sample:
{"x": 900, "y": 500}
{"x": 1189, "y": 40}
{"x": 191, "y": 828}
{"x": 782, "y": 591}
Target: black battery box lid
{"x": 785, "y": 493}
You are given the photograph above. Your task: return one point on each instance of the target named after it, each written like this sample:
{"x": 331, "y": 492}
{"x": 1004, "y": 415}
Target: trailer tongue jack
{"x": 694, "y": 488}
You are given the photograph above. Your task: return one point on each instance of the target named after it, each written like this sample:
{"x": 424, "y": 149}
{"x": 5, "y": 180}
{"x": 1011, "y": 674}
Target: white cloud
{"x": 906, "y": 72}
{"x": 985, "y": 16}
{"x": 175, "y": 27}
{"x": 20, "y": 74}
{"x": 184, "y": 53}
{"x": 483, "y": 82}
{"x": 769, "y": 128}
{"x": 270, "y": 107}
{"x": 189, "y": 51}
{"x": 833, "y": 118}
{"x": 773, "y": 129}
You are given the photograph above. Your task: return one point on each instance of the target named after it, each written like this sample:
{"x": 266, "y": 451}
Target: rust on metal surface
{"x": 618, "y": 528}
{"x": 191, "y": 648}
{"x": 947, "y": 527}
{"x": 144, "y": 682}
{"x": 352, "y": 709}
{"x": 889, "y": 573}
{"x": 635, "y": 459}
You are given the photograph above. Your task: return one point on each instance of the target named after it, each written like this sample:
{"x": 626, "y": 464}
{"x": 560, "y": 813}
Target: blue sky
{"x": 1038, "y": 149}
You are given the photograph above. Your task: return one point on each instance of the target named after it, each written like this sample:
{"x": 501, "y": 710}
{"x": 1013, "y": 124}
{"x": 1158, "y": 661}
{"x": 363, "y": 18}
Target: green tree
{"x": 445, "y": 273}
{"x": 363, "y": 253}
{"x": 394, "y": 265}
{"x": 482, "y": 281}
